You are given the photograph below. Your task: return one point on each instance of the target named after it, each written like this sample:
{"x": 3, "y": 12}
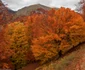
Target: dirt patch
{"x": 31, "y": 66}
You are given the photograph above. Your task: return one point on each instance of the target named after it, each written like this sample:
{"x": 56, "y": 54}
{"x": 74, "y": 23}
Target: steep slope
{"x": 5, "y": 14}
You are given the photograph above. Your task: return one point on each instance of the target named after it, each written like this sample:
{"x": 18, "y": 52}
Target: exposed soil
{"x": 31, "y": 66}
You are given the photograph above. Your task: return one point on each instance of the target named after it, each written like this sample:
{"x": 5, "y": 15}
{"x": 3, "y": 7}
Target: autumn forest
{"x": 40, "y": 36}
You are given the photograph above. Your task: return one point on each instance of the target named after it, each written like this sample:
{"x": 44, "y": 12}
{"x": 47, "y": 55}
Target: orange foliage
{"x": 46, "y": 47}
{"x": 43, "y": 35}
{"x": 5, "y": 52}
{"x": 64, "y": 23}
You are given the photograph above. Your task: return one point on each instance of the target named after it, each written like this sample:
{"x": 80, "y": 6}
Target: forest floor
{"x": 72, "y": 60}
{"x": 79, "y": 62}
{"x": 31, "y": 66}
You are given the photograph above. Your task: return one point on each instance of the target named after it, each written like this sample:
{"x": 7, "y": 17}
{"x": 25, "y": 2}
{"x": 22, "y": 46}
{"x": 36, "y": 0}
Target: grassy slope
{"x": 68, "y": 61}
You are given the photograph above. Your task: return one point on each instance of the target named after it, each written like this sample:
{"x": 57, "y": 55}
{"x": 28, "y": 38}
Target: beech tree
{"x": 15, "y": 34}
{"x": 64, "y": 22}
{"x": 46, "y": 47}
{"x": 5, "y": 52}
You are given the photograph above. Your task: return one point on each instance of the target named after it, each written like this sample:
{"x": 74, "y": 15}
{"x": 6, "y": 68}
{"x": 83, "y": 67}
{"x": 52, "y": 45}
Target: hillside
{"x": 73, "y": 60}
{"x": 5, "y": 14}
{"x": 27, "y": 10}
{"x": 41, "y": 36}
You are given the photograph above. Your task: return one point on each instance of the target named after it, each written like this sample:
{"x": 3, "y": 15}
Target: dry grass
{"x": 67, "y": 62}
